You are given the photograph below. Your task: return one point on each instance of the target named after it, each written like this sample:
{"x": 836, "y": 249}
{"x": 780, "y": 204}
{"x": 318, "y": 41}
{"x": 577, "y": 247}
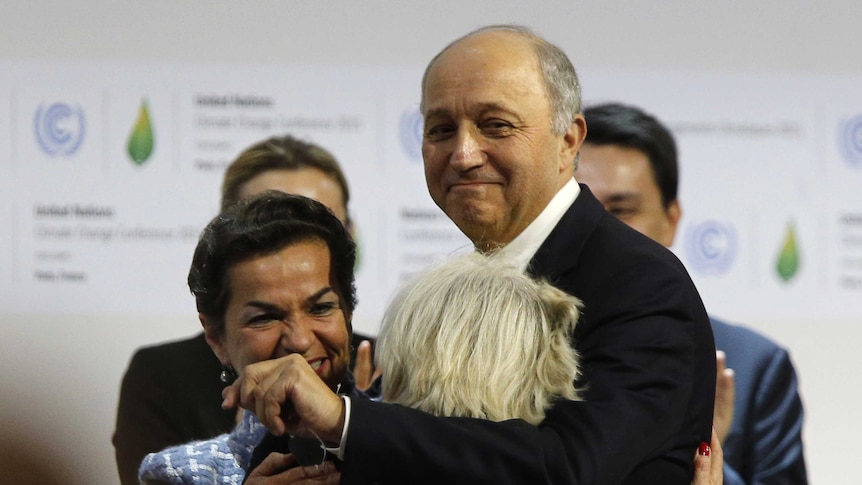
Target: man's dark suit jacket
{"x": 171, "y": 394}
{"x": 648, "y": 373}
{"x": 764, "y": 446}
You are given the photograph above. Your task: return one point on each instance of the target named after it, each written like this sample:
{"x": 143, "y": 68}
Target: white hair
{"x": 476, "y": 337}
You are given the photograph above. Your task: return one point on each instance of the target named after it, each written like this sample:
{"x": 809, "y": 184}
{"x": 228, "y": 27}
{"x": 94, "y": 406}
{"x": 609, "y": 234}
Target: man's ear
{"x": 674, "y": 214}
{"x": 215, "y": 339}
{"x": 572, "y": 140}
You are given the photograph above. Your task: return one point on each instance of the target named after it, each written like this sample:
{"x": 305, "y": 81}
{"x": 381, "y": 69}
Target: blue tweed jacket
{"x": 222, "y": 459}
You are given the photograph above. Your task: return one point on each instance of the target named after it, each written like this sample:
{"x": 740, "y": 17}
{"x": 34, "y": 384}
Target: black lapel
{"x": 560, "y": 252}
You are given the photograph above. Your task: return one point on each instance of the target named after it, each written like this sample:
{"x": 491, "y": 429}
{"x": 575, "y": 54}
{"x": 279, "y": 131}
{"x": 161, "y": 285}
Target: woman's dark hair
{"x": 261, "y": 225}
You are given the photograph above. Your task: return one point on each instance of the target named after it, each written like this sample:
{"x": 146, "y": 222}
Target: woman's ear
{"x": 348, "y": 320}
{"x": 215, "y": 339}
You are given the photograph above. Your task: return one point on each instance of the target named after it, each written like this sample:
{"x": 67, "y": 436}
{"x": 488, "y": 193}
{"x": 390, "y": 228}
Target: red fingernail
{"x": 703, "y": 449}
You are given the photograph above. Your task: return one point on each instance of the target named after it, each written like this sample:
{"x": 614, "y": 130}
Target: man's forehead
{"x": 488, "y": 44}
{"x": 480, "y": 53}
{"x": 492, "y": 68}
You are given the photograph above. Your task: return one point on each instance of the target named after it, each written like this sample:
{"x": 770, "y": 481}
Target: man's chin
{"x": 477, "y": 230}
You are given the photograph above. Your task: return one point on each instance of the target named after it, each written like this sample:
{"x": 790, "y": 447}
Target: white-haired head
{"x": 476, "y": 337}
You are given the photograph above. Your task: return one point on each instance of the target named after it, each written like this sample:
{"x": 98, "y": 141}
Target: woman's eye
{"x": 261, "y": 319}
{"x": 324, "y": 308}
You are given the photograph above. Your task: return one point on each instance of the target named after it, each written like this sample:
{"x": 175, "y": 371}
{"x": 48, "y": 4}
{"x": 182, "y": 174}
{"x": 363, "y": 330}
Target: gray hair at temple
{"x": 476, "y": 337}
{"x": 561, "y": 80}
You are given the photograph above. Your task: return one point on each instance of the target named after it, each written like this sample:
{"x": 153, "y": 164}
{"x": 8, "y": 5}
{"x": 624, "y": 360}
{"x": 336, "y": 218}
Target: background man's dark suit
{"x": 171, "y": 394}
{"x": 768, "y": 411}
{"x": 649, "y": 373}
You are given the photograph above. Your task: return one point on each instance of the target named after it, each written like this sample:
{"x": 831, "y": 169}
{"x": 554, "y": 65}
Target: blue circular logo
{"x": 410, "y": 132}
{"x": 710, "y": 247}
{"x": 850, "y": 140}
{"x": 59, "y": 129}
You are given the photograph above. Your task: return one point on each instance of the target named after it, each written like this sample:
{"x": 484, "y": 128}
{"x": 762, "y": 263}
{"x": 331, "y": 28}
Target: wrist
{"x": 336, "y": 445}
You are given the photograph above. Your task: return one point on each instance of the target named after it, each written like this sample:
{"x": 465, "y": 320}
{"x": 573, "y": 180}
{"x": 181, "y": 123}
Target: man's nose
{"x": 467, "y": 152}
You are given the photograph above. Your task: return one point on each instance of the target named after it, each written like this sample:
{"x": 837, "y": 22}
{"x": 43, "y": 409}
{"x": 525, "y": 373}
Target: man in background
{"x": 629, "y": 161}
{"x": 171, "y": 392}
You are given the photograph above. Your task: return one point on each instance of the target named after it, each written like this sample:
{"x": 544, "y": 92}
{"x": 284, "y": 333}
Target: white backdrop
{"x": 763, "y": 99}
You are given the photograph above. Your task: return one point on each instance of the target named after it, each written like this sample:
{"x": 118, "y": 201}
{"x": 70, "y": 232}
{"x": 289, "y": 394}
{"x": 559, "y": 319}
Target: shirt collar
{"x": 522, "y": 249}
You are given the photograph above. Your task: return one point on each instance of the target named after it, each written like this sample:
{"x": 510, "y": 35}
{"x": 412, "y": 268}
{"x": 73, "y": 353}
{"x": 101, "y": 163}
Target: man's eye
{"x": 622, "y": 212}
{"x": 496, "y": 127}
{"x": 438, "y": 132}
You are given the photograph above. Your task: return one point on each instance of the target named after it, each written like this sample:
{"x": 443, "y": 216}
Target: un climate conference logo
{"x": 59, "y": 129}
{"x": 710, "y": 247}
{"x": 410, "y": 132}
{"x": 850, "y": 141}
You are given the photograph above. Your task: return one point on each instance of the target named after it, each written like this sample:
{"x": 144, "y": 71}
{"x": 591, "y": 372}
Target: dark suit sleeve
{"x": 731, "y": 477}
{"x": 777, "y": 414}
{"x": 641, "y": 356}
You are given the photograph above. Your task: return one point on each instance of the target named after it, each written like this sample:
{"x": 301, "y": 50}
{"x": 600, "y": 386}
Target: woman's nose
{"x": 297, "y": 338}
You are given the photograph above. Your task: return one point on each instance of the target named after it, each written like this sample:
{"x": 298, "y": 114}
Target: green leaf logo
{"x": 788, "y": 260}
{"x": 141, "y": 143}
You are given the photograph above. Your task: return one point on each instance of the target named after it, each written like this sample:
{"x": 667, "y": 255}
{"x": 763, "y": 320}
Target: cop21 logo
{"x": 710, "y": 247}
{"x": 850, "y": 141}
{"x": 410, "y": 132}
{"x": 59, "y": 128}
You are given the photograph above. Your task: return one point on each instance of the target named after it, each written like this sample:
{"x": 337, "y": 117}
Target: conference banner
{"x": 111, "y": 170}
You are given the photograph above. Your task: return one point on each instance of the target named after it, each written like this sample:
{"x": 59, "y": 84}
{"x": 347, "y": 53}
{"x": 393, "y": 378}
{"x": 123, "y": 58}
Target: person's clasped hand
{"x": 288, "y": 397}
{"x": 280, "y": 469}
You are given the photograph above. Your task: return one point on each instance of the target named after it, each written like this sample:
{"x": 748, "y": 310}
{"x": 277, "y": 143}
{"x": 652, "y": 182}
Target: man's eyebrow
{"x": 494, "y": 106}
{"x": 479, "y": 108}
{"x": 436, "y": 112}
{"x": 623, "y": 196}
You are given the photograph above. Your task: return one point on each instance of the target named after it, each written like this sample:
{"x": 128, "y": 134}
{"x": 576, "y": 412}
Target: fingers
{"x": 230, "y": 395}
{"x": 270, "y": 399}
{"x": 289, "y": 397}
{"x": 716, "y": 460}
{"x": 273, "y": 464}
{"x": 323, "y": 474}
{"x": 709, "y": 463}
{"x": 279, "y": 468}
{"x": 265, "y": 386}
{"x": 364, "y": 369}
{"x": 725, "y": 392}
{"x": 702, "y": 466}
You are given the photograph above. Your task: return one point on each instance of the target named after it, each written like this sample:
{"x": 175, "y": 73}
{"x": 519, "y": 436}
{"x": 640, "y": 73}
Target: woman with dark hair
{"x": 160, "y": 406}
{"x": 273, "y": 281}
